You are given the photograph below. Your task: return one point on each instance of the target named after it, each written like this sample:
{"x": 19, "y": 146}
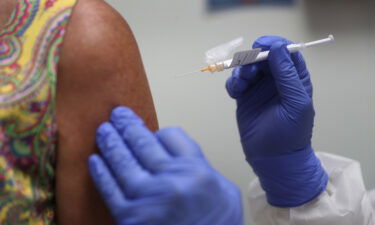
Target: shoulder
{"x": 96, "y": 16}
{"x": 98, "y": 32}
{"x": 100, "y": 62}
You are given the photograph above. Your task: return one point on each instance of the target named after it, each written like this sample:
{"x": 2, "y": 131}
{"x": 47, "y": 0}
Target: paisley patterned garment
{"x": 29, "y": 53}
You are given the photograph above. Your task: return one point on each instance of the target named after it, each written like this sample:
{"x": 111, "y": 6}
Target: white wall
{"x": 173, "y": 35}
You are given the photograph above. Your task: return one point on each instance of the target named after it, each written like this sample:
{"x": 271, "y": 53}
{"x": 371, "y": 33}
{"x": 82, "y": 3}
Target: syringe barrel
{"x": 262, "y": 56}
{"x": 292, "y": 49}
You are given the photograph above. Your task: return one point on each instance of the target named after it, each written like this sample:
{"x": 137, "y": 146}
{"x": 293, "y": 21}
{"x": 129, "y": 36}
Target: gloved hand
{"x": 159, "y": 179}
{"x": 275, "y": 117}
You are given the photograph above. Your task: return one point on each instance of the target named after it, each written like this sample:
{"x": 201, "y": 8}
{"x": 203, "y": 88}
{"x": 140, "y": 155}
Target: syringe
{"x": 256, "y": 55}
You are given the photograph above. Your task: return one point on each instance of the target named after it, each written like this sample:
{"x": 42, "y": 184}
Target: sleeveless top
{"x": 29, "y": 54}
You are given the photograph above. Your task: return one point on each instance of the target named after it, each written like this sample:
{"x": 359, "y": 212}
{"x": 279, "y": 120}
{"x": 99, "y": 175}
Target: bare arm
{"x": 100, "y": 68}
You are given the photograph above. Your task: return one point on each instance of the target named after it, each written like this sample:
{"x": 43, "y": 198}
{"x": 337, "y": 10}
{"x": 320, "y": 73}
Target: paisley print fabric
{"x": 29, "y": 53}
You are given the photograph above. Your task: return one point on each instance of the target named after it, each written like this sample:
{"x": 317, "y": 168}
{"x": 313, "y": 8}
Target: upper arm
{"x": 100, "y": 68}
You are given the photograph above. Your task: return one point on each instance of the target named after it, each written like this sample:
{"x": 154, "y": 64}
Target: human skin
{"x": 100, "y": 68}
{"x": 6, "y": 9}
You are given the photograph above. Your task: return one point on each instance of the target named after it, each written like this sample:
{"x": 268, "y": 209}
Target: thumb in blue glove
{"x": 159, "y": 179}
{"x": 275, "y": 117}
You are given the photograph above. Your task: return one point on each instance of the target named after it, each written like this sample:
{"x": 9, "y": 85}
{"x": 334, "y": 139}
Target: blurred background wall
{"x": 173, "y": 36}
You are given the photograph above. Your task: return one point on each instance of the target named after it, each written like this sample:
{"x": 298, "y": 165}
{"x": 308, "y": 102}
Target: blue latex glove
{"x": 275, "y": 117}
{"x": 159, "y": 179}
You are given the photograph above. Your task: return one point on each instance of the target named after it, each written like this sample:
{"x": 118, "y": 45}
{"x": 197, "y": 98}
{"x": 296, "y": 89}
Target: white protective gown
{"x": 344, "y": 202}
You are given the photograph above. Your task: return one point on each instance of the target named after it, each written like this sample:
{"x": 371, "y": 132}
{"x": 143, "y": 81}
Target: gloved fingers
{"x": 178, "y": 143}
{"x": 243, "y": 77}
{"x": 266, "y": 42}
{"x": 140, "y": 140}
{"x": 107, "y": 185}
{"x": 291, "y": 91}
{"x": 303, "y": 73}
{"x": 154, "y": 210}
{"x": 121, "y": 161}
{"x": 146, "y": 147}
{"x": 123, "y": 117}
